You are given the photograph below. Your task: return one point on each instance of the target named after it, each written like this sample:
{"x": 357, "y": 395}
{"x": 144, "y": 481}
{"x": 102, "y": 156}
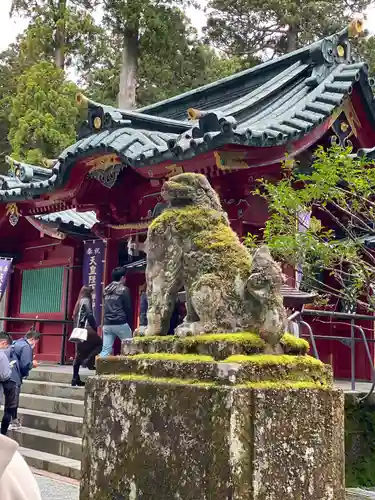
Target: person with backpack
{"x": 23, "y": 351}
{"x": 8, "y": 362}
{"x": 117, "y": 321}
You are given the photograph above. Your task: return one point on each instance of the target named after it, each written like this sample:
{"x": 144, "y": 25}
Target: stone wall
{"x": 185, "y": 426}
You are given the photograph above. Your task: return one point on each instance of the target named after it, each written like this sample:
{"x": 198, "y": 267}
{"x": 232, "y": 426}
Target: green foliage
{"x": 360, "y": 445}
{"x": 8, "y": 87}
{"x": 171, "y": 59}
{"x": 251, "y": 29}
{"x": 62, "y": 31}
{"x": 338, "y": 191}
{"x": 43, "y": 114}
{"x": 366, "y": 49}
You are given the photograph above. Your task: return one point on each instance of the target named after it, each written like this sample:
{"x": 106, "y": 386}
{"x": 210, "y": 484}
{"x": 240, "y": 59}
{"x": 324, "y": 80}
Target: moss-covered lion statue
{"x": 192, "y": 245}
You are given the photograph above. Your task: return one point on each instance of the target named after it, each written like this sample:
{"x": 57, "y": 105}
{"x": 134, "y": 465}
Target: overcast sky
{"x": 10, "y": 28}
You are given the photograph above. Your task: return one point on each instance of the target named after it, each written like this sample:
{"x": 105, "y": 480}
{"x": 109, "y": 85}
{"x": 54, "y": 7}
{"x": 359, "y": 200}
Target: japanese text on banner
{"x": 93, "y": 273}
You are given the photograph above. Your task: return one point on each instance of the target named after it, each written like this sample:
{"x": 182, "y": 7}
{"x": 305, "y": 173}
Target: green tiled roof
{"x": 270, "y": 105}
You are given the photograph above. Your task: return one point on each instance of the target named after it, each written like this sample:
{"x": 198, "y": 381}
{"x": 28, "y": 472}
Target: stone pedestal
{"x": 166, "y": 425}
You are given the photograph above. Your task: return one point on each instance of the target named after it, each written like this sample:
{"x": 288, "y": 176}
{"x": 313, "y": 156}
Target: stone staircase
{"x": 51, "y": 412}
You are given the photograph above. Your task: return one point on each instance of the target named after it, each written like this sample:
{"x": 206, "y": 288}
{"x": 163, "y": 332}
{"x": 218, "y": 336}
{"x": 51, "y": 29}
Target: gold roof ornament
{"x": 340, "y": 51}
{"x": 194, "y": 114}
{"x": 97, "y": 123}
{"x": 47, "y": 163}
{"x": 81, "y": 100}
{"x": 13, "y": 213}
{"x": 356, "y": 27}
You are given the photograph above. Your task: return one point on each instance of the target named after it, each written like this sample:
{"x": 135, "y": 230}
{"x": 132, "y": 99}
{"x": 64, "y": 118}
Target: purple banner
{"x": 5, "y": 269}
{"x": 93, "y": 271}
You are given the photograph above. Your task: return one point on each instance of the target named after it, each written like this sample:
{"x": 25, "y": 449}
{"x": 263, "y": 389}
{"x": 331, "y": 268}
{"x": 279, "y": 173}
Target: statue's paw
{"x": 188, "y": 329}
{"x": 150, "y": 332}
{"x": 140, "y": 331}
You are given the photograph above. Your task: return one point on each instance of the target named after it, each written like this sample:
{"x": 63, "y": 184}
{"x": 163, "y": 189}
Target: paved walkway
{"x": 56, "y": 490}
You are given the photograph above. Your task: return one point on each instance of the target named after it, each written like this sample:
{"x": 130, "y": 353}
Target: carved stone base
{"x": 184, "y": 426}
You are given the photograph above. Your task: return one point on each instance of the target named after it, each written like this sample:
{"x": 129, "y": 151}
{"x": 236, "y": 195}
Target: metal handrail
{"x": 36, "y": 320}
{"x": 352, "y": 338}
{"x": 63, "y": 322}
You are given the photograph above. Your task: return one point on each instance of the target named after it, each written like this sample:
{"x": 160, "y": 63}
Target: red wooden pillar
{"x": 111, "y": 259}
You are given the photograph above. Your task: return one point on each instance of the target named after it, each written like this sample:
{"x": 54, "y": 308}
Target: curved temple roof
{"x": 84, "y": 220}
{"x": 269, "y": 105}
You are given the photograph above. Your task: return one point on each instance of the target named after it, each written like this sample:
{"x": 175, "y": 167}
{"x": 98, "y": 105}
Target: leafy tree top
{"x": 338, "y": 193}
{"x": 44, "y": 114}
{"x": 249, "y": 28}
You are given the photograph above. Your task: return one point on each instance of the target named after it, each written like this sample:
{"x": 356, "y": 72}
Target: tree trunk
{"x": 292, "y": 38}
{"x": 60, "y": 34}
{"x": 129, "y": 68}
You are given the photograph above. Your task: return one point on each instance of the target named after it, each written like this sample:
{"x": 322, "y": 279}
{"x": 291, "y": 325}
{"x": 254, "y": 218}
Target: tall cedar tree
{"x": 61, "y": 30}
{"x": 249, "y": 28}
{"x": 43, "y": 113}
{"x": 160, "y": 55}
{"x": 170, "y": 60}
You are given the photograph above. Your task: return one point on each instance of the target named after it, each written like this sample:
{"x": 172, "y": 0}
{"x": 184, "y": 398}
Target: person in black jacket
{"x": 86, "y": 351}
{"x": 117, "y": 311}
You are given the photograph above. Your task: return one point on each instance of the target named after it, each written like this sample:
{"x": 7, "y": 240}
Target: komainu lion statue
{"x": 192, "y": 246}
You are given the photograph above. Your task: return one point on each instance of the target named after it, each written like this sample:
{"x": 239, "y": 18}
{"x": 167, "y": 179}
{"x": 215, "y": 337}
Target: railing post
{"x": 312, "y": 339}
{"x": 352, "y": 349}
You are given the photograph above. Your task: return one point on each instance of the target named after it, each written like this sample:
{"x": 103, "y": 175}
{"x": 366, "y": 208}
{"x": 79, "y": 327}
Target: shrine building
{"x": 74, "y": 222}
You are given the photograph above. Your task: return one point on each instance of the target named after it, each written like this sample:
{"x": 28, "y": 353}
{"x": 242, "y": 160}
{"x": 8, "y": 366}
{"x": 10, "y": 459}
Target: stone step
{"x": 59, "y": 375}
{"x": 359, "y": 494}
{"x": 53, "y": 389}
{"x": 49, "y": 404}
{"x": 48, "y": 442}
{"x": 54, "y": 464}
{"x": 51, "y": 422}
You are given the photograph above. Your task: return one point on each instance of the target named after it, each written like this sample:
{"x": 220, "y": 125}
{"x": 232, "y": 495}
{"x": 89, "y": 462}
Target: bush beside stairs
{"x": 51, "y": 412}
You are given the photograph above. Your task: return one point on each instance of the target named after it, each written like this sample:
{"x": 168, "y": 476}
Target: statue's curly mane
{"x": 191, "y": 189}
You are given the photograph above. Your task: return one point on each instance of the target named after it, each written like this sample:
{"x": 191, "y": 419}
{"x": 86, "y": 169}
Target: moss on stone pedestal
{"x": 294, "y": 345}
{"x": 236, "y": 369}
{"x": 218, "y": 345}
{"x": 209, "y": 231}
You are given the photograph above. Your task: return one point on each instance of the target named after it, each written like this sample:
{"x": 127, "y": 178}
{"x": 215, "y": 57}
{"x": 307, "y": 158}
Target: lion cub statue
{"x": 192, "y": 246}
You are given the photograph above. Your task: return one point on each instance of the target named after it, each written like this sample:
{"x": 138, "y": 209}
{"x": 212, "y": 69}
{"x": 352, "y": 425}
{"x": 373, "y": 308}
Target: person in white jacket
{"x": 16, "y": 480}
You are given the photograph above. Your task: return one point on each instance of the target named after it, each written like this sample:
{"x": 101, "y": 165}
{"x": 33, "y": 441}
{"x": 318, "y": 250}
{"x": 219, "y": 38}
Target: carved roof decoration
{"x": 272, "y": 104}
